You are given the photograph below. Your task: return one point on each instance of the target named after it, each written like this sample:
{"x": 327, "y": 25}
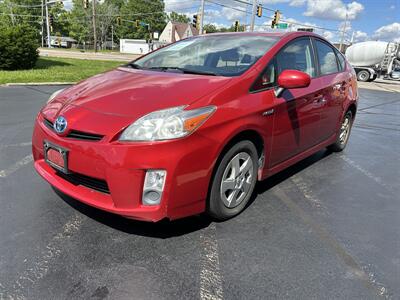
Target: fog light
{"x": 153, "y": 187}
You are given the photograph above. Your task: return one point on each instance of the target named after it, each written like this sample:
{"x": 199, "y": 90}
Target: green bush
{"x": 18, "y": 47}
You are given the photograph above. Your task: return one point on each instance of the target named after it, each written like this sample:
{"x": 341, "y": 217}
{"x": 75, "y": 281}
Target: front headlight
{"x": 167, "y": 124}
{"x": 54, "y": 95}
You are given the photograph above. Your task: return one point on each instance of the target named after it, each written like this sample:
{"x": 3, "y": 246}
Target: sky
{"x": 366, "y": 19}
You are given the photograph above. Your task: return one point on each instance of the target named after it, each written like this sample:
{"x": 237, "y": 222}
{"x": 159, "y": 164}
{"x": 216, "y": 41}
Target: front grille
{"x": 75, "y": 134}
{"x": 86, "y": 181}
{"x": 79, "y": 135}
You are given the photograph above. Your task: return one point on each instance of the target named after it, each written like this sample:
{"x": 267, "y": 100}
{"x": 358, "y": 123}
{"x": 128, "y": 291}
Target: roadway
{"x": 87, "y": 55}
{"x": 327, "y": 228}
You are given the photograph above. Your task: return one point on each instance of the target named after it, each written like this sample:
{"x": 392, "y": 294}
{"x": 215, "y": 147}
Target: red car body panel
{"x": 106, "y": 104}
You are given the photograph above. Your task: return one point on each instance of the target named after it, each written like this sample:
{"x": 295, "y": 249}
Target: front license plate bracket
{"x": 62, "y": 165}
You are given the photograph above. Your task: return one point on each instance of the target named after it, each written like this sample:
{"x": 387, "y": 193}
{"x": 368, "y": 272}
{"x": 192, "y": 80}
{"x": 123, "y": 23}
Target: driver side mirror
{"x": 292, "y": 79}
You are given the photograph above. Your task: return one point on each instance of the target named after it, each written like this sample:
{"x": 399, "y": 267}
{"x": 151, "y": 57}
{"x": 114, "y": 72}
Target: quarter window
{"x": 326, "y": 58}
{"x": 297, "y": 56}
{"x": 267, "y": 78}
{"x": 341, "y": 59}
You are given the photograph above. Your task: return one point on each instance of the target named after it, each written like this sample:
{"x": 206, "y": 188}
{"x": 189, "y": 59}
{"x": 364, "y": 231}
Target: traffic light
{"x": 85, "y": 4}
{"x": 259, "y": 11}
{"x": 119, "y": 21}
{"x": 51, "y": 20}
{"x": 277, "y": 17}
{"x": 137, "y": 23}
{"x": 237, "y": 25}
{"x": 195, "y": 21}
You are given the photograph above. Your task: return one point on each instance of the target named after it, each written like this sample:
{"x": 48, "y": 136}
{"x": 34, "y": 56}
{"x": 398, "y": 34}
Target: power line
{"x": 268, "y": 17}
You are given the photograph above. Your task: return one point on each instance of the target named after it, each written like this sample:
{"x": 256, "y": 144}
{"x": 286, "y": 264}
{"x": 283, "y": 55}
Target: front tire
{"x": 234, "y": 181}
{"x": 344, "y": 133}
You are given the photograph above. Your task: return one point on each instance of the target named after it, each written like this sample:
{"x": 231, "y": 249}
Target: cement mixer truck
{"x": 374, "y": 59}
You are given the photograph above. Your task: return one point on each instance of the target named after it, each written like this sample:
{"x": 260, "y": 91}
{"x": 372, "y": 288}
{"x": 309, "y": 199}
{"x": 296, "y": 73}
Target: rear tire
{"x": 344, "y": 133}
{"x": 234, "y": 181}
{"x": 363, "y": 75}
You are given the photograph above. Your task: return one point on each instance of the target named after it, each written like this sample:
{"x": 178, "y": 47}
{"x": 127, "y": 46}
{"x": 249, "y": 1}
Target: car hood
{"x": 134, "y": 93}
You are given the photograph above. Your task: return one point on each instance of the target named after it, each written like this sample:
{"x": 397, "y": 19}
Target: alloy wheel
{"x": 345, "y": 130}
{"x": 237, "y": 180}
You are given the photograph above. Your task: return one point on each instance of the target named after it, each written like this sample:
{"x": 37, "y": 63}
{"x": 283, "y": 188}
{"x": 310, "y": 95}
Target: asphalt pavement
{"x": 326, "y": 228}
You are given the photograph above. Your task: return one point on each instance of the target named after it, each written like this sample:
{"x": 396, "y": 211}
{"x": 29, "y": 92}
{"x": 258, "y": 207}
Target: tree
{"x": 210, "y": 28}
{"x": 106, "y": 12}
{"x": 61, "y": 19}
{"x": 232, "y": 28}
{"x": 18, "y": 47}
{"x": 174, "y": 16}
{"x": 147, "y": 12}
{"x": 80, "y": 28}
{"x": 116, "y": 3}
{"x": 17, "y": 12}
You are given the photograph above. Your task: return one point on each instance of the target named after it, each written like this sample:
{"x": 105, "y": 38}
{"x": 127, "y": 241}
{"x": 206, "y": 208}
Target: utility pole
{"x": 48, "y": 25}
{"x": 42, "y": 23}
{"x": 11, "y": 14}
{"x": 253, "y": 15}
{"x": 202, "y": 16}
{"x": 343, "y": 32}
{"x": 247, "y": 14}
{"x": 112, "y": 37}
{"x": 94, "y": 25}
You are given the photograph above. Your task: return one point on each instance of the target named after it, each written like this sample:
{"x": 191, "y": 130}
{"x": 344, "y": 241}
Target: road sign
{"x": 282, "y": 25}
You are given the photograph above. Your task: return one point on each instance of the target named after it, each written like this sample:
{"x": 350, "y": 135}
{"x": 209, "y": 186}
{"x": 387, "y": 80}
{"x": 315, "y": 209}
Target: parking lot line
{"x": 354, "y": 268}
{"x": 377, "y": 105}
{"x": 19, "y": 164}
{"x": 210, "y": 274}
{"x": 377, "y": 179}
{"x": 307, "y": 193}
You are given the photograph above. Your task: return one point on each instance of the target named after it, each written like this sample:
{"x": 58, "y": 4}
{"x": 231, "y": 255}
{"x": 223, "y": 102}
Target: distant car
{"x": 192, "y": 127}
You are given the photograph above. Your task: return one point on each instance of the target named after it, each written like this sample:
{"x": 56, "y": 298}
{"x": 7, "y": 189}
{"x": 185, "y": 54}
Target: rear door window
{"x": 326, "y": 58}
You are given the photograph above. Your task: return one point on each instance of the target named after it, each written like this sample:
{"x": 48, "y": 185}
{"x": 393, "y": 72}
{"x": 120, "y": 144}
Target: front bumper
{"x": 123, "y": 166}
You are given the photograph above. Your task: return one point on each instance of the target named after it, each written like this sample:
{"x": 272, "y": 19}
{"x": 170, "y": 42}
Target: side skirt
{"x": 297, "y": 158}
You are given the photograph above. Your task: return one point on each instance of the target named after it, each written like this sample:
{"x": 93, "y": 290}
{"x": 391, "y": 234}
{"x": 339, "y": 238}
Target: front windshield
{"x": 228, "y": 55}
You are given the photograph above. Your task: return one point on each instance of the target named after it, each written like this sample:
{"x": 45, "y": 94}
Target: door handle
{"x": 319, "y": 99}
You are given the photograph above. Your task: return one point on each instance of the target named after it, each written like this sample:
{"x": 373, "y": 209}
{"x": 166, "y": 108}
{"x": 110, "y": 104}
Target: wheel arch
{"x": 353, "y": 108}
{"x": 251, "y": 135}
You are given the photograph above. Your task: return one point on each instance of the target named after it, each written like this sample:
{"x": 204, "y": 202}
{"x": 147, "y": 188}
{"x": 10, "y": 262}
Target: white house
{"x": 175, "y": 31}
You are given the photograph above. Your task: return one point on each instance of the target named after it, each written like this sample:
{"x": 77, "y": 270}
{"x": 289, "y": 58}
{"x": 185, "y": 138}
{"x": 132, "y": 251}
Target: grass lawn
{"x": 58, "y": 70}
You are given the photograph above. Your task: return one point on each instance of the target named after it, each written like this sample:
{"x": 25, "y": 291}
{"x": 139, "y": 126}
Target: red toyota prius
{"x": 192, "y": 127}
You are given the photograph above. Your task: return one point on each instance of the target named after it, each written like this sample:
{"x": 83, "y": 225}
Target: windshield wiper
{"x": 184, "y": 70}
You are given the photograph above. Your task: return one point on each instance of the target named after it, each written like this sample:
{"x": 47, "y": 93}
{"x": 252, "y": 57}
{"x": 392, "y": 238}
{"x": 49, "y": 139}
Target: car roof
{"x": 279, "y": 34}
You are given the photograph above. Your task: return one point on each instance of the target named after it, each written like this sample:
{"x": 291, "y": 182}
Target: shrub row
{"x": 18, "y": 47}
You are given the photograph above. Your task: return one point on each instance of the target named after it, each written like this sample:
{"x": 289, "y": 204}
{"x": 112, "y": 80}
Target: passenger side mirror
{"x": 292, "y": 79}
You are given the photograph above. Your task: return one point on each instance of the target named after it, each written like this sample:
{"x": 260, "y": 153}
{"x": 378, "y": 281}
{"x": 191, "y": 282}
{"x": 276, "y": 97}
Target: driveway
{"x": 327, "y": 228}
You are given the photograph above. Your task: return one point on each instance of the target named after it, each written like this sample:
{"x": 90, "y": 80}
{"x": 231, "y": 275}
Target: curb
{"x": 38, "y": 83}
